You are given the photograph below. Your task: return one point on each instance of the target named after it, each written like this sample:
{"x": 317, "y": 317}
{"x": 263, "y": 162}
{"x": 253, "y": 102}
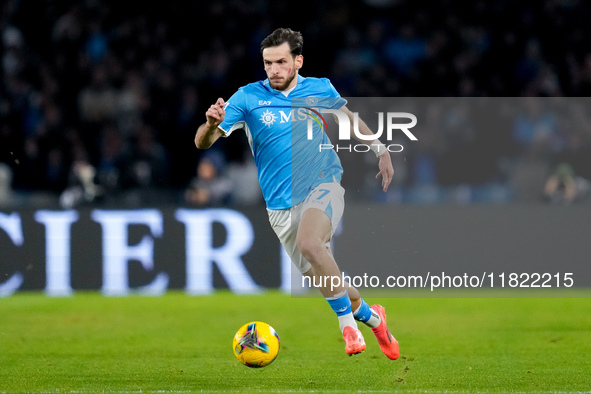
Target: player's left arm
{"x": 385, "y": 161}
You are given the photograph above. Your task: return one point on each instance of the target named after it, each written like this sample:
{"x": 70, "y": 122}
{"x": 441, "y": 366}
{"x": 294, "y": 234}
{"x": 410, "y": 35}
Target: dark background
{"x": 123, "y": 85}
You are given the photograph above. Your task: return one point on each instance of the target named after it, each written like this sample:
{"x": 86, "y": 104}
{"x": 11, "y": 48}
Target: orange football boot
{"x": 388, "y": 344}
{"x": 354, "y": 342}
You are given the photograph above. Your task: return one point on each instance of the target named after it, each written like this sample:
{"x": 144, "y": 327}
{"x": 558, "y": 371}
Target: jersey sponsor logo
{"x": 262, "y": 102}
{"x": 295, "y": 114}
{"x": 268, "y": 118}
{"x": 284, "y": 117}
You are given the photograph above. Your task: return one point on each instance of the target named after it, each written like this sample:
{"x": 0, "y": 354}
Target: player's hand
{"x": 386, "y": 170}
{"x": 215, "y": 114}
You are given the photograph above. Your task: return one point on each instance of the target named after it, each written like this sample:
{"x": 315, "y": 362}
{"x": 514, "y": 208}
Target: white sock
{"x": 347, "y": 320}
{"x": 341, "y": 304}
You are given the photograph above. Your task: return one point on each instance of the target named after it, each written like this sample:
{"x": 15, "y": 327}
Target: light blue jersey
{"x": 289, "y": 164}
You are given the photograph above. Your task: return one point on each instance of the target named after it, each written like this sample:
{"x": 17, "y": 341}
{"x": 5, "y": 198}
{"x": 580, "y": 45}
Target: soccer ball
{"x": 256, "y": 344}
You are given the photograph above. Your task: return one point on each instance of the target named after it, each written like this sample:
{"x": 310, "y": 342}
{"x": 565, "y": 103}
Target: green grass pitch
{"x": 178, "y": 343}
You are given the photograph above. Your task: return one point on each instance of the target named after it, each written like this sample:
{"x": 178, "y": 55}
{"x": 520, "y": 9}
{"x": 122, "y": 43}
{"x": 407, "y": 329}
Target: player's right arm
{"x": 209, "y": 132}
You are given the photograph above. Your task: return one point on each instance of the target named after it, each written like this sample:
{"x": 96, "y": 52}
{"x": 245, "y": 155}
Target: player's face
{"x": 281, "y": 66}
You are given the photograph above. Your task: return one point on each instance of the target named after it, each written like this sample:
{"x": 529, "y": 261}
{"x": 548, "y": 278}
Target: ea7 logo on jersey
{"x": 268, "y": 118}
{"x": 261, "y": 102}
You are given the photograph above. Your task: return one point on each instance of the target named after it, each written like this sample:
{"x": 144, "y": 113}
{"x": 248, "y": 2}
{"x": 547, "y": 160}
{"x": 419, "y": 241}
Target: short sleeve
{"x": 235, "y": 113}
{"x": 337, "y": 101}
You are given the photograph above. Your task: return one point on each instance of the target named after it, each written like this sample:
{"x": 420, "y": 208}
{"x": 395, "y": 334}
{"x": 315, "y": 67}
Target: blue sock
{"x": 363, "y": 313}
{"x": 341, "y": 304}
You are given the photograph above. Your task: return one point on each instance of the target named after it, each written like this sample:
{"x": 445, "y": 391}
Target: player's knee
{"x": 310, "y": 248}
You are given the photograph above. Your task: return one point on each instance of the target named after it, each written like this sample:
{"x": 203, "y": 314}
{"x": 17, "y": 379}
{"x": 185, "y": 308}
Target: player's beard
{"x": 284, "y": 85}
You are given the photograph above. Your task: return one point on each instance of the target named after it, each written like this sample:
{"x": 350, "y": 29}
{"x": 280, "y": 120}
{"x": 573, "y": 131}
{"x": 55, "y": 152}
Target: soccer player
{"x": 301, "y": 183}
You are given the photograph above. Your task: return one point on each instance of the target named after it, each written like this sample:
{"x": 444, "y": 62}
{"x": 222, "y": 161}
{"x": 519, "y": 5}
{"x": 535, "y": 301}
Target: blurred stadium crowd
{"x": 100, "y": 99}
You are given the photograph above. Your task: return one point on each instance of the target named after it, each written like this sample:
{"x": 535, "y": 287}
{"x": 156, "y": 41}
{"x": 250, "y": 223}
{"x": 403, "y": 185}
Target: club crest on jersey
{"x": 268, "y": 118}
{"x": 312, "y": 101}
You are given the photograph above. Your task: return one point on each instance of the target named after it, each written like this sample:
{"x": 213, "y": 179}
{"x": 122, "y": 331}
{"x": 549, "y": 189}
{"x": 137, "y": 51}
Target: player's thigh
{"x": 314, "y": 226}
